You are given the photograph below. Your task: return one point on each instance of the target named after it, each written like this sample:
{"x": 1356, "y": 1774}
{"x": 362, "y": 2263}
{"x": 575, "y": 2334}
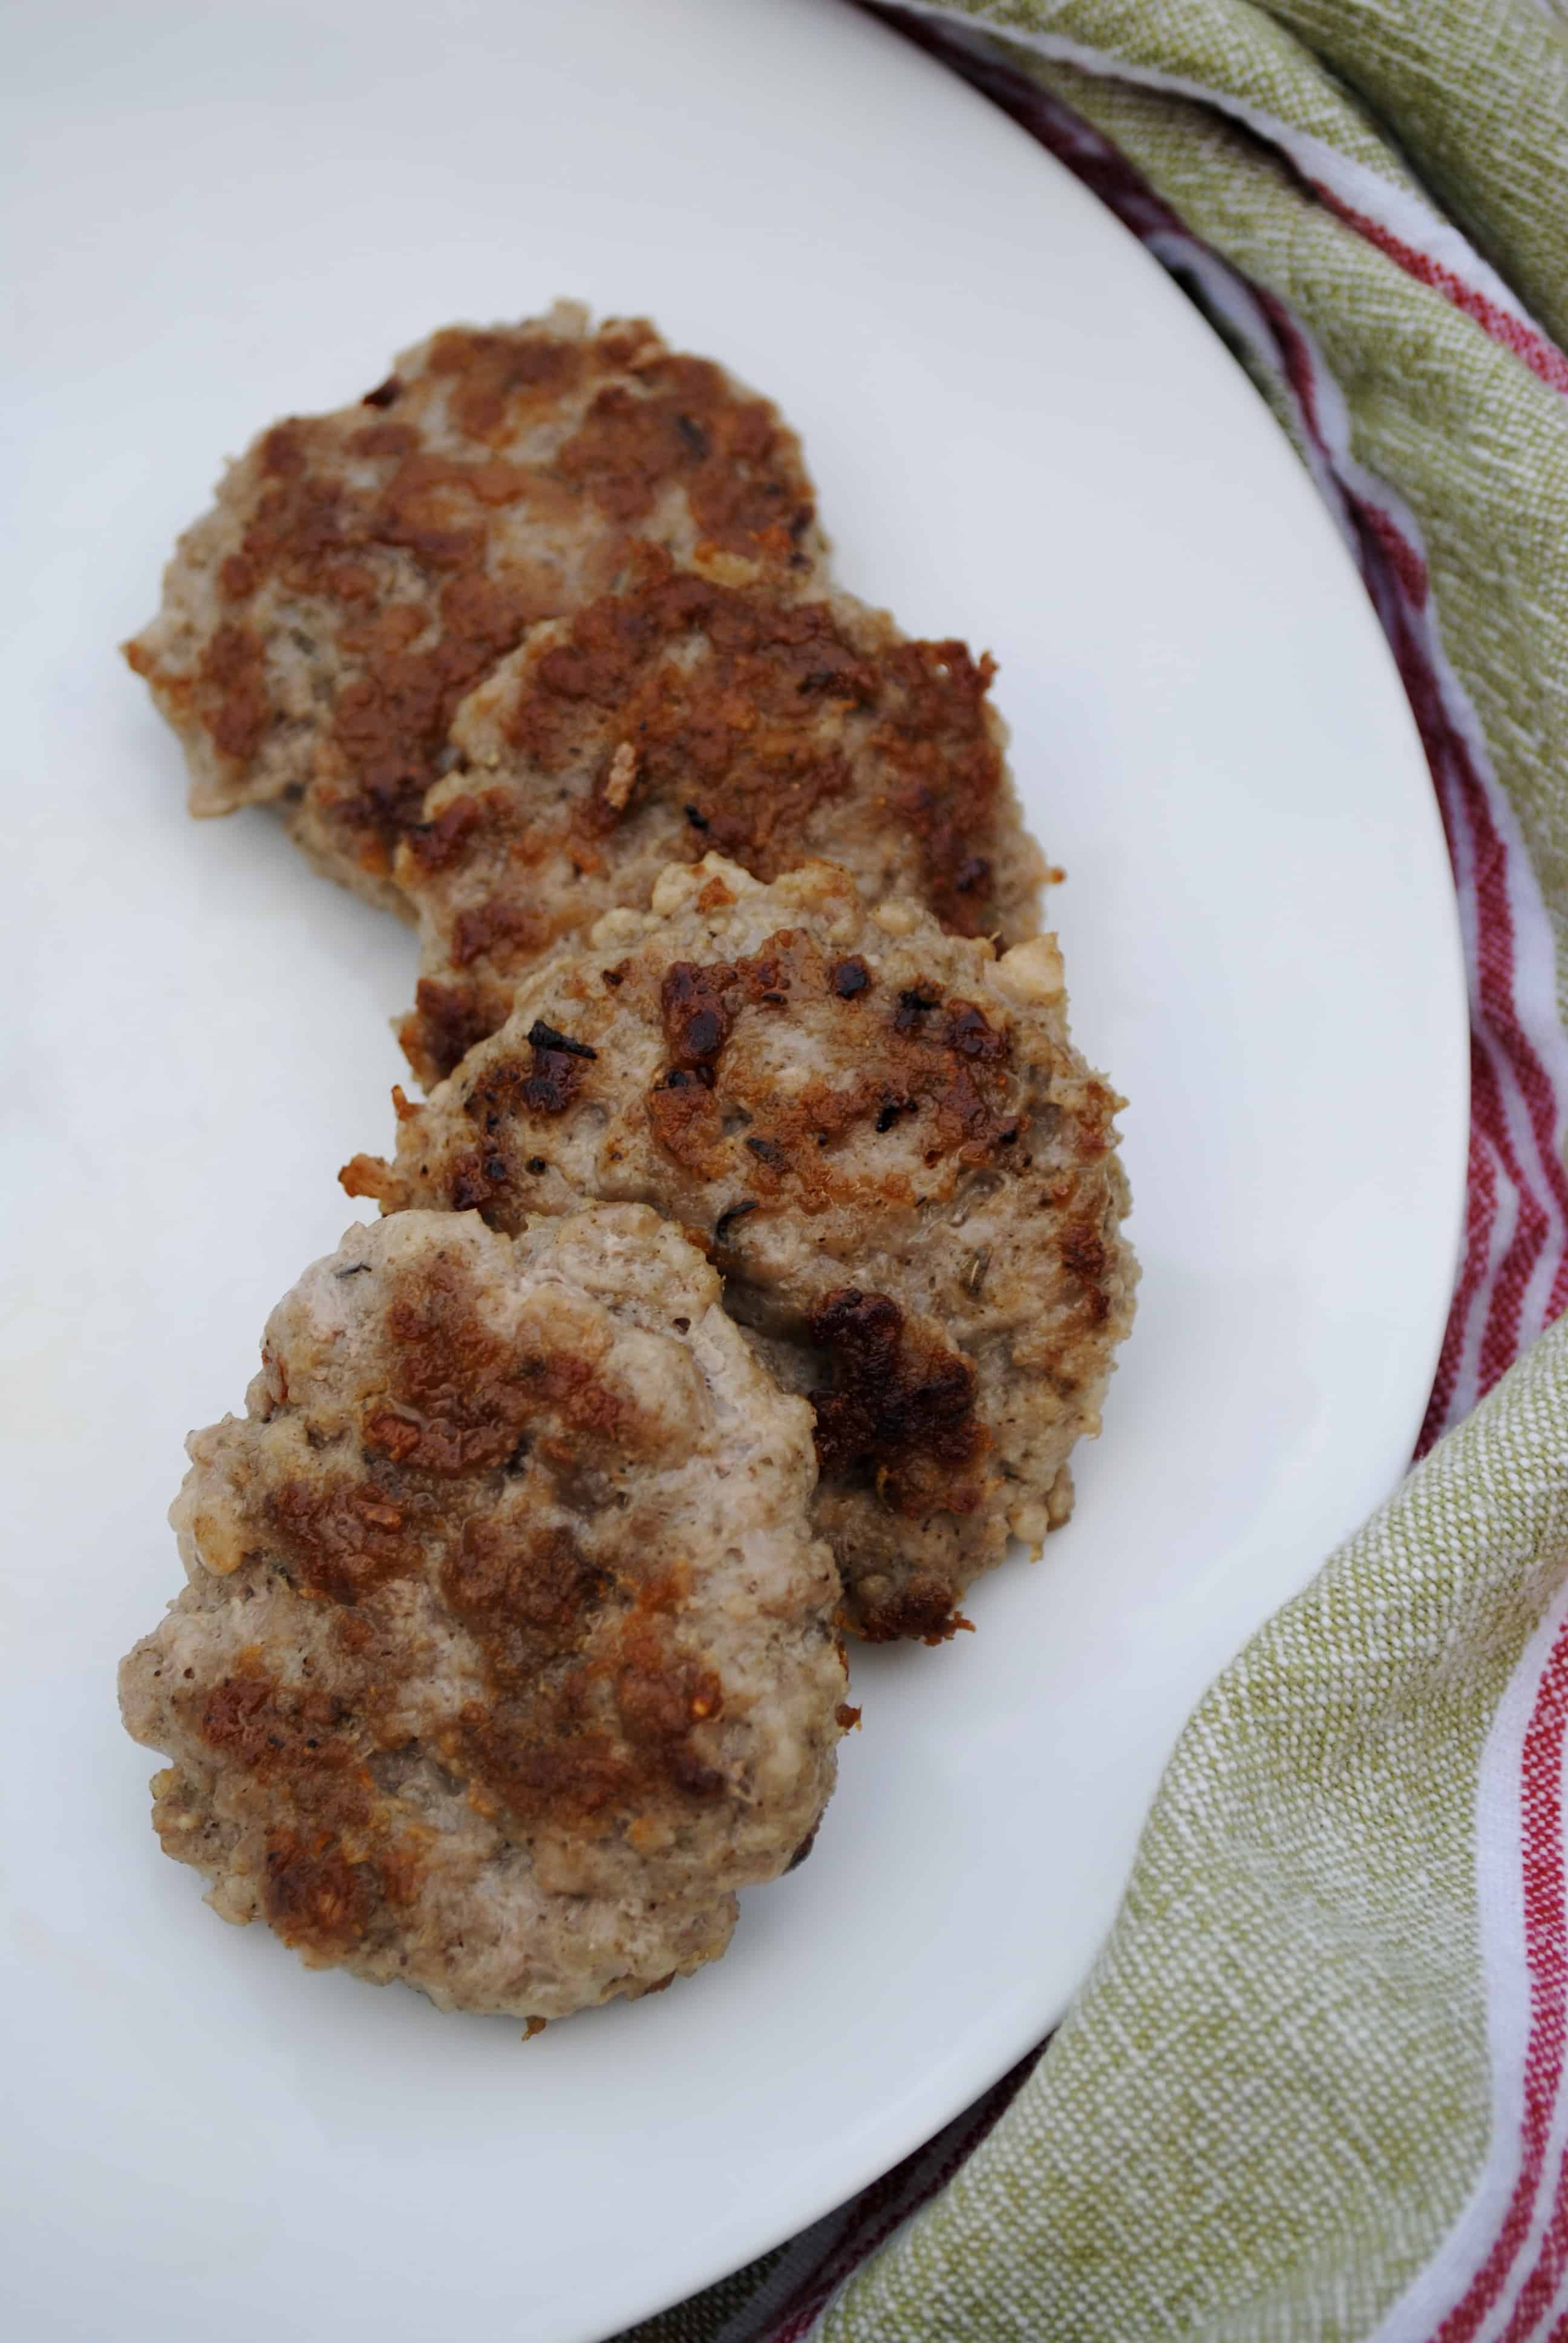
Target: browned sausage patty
{"x": 509, "y": 1654}
{"x": 906, "y": 1172}
{"x": 711, "y": 707}
{"x": 360, "y": 571}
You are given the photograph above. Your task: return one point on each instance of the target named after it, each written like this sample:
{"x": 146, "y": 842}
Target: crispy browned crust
{"x": 904, "y": 1169}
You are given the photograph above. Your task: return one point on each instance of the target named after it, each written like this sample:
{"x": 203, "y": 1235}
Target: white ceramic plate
{"x": 1021, "y": 432}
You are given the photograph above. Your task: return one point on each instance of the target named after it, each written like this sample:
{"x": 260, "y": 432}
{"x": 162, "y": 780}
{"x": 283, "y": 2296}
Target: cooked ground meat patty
{"x": 361, "y": 571}
{"x": 507, "y": 1654}
{"x": 714, "y": 706}
{"x": 906, "y": 1172}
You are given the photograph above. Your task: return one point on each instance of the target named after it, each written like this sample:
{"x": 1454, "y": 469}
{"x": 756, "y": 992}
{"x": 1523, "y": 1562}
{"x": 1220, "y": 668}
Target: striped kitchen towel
{"x": 1317, "y": 2086}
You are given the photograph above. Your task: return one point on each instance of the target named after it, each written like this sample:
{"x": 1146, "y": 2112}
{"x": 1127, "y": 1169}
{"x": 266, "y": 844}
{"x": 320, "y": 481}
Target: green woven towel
{"x": 1272, "y": 2100}
{"x": 1316, "y": 2086}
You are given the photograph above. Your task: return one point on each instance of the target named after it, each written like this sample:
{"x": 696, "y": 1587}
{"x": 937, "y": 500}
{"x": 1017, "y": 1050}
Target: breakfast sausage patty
{"x": 360, "y": 571}
{"x": 903, "y": 1169}
{"x": 509, "y": 1654}
{"x": 715, "y": 707}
